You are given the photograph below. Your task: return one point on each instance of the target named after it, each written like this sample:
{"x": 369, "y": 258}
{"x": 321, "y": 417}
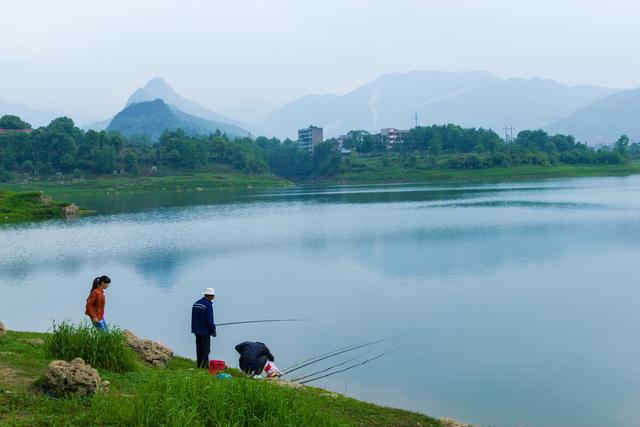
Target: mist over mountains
{"x": 470, "y": 99}
{"x": 154, "y": 117}
{"x": 605, "y": 120}
{"x": 157, "y": 88}
{"x": 28, "y": 114}
{"x": 157, "y": 107}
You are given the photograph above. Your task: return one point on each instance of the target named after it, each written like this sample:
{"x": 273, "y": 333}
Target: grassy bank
{"x": 417, "y": 169}
{"x": 361, "y": 170}
{"x": 175, "y": 396}
{"x": 218, "y": 180}
{"x": 29, "y": 206}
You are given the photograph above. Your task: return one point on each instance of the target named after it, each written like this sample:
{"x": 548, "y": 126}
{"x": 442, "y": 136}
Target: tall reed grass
{"x": 100, "y": 349}
{"x": 201, "y": 400}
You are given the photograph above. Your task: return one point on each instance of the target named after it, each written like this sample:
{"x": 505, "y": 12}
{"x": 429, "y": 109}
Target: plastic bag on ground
{"x": 271, "y": 370}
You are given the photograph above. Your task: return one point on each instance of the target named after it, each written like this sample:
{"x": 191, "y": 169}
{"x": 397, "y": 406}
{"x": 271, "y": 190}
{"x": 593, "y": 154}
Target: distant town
{"x": 311, "y": 136}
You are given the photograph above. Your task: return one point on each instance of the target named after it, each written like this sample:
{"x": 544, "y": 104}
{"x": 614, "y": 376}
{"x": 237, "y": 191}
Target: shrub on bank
{"x": 100, "y": 349}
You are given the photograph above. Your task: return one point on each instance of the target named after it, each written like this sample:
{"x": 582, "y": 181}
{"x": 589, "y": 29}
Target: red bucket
{"x": 216, "y": 366}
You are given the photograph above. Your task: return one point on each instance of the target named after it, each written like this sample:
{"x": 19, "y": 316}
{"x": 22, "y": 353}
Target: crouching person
{"x": 253, "y": 357}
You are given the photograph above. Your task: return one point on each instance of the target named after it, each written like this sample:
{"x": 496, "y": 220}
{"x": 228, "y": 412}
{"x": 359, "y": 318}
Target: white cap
{"x": 209, "y": 291}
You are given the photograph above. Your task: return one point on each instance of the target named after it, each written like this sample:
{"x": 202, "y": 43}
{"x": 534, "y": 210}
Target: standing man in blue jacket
{"x": 203, "y": 326}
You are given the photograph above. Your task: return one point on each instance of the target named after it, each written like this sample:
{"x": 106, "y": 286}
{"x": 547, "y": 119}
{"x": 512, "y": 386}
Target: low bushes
{"x": 100, "y": 349}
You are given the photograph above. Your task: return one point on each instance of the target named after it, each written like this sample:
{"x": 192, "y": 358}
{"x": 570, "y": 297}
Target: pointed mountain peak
{"x": 158, "y": 88}
{"x": 155, "y": 88}
{"x": 157, "y": 83}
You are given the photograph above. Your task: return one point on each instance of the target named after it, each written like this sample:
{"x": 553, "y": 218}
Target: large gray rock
{"x": 3, "y": 330}
{"x": 72, "y": 377}
{"x": 151, "y": 352}
{"x": 69, "y": 211}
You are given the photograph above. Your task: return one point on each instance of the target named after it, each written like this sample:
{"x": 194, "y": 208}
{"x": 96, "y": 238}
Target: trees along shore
{"x": 62, "y": 156}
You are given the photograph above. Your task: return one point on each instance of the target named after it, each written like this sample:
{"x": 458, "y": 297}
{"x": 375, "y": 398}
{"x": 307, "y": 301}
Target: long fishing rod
{"x": 262, "y": 321}
{"x": 295, "y": 365}
{"x": 334, "y": 353}
{"x": 331, "y": 367}
{"x": 352, "y": 366}
{"x": 323, "y": 356}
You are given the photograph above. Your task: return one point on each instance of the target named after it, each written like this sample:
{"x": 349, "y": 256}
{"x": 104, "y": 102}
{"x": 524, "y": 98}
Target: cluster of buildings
{"x": 311, "y": 136}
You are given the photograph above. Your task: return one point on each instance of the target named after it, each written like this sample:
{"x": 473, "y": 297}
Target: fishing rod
{"x": 331, "y": 367}
{"x": 306, "y": 362}
{"x": 352, "y": 366}
{"x": 287, "y": 369}
{"x": 331, "y": 354}
{"x": 262, "y": 321}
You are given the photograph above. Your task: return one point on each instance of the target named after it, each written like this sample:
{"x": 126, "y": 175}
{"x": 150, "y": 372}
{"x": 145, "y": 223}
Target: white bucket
{"x": 271, "y": 370}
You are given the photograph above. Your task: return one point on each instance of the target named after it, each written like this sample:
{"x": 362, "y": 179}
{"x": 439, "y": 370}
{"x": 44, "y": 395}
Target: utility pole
{"x": 508, "y": 134}
{"x": 416, "y": 118}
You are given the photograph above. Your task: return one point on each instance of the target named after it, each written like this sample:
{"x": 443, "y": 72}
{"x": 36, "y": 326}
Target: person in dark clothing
{"x": 203, "y": 326}
{"x": 253, "y": 356}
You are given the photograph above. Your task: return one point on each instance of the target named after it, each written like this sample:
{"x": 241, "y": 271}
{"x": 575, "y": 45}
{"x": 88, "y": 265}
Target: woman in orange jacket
{"x": 96, "y": 302}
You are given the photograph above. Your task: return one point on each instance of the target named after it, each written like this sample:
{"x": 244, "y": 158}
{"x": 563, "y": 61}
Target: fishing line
{"x": 352, "y": 366}
{"x": 334, "y": 353}
{"x": 263, "y": 321}
{"x": 331, "y": 367}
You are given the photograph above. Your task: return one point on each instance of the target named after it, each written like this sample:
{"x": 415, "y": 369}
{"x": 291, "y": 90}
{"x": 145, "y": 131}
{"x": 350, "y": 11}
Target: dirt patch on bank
{"x": 11, "y": 376}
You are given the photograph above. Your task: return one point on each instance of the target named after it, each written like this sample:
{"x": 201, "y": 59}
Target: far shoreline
{"x": 226, "y": 183}
{"x": 481, "y": 176}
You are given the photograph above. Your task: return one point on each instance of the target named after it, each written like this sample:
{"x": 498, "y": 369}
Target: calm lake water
{"x": 518, "y": 304}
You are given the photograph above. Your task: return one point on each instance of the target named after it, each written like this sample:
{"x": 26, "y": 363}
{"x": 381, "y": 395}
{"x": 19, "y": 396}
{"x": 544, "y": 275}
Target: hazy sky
{"x": 87, "y": 56}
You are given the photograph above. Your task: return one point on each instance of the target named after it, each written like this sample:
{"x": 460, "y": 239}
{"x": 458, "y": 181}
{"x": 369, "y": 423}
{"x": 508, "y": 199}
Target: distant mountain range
{"x": 157, "y": 107}
{"x": 154, "y": 117}
{"x": 470, "y": 99}
{"x": 157, "y": 88}
{"x": 35, "y": 117}
{"x": 603, "y": 121}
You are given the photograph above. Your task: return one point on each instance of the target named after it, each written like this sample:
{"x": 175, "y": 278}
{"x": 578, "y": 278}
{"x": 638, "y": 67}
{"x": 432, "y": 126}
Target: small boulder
{"x": 3, "y": 330}
{"x": 72, "y": 377}
{"x": 151, "y": 352}
{"x": 45, "y": 200}
{"x": 69, "y": 210}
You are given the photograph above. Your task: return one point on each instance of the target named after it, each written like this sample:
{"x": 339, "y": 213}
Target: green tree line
{"x": 61, "y": 147}
{"x": 477, "y": 147}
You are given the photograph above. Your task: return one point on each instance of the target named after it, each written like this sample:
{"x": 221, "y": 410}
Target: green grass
{"x": 100, "y": 349}
{"x": 219, "y": 179}
{"x": 197, "y": 400}
{"x": 15, "y": 207}
{"x": 175, "y": 396}
{"x": 396, "y": 169}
